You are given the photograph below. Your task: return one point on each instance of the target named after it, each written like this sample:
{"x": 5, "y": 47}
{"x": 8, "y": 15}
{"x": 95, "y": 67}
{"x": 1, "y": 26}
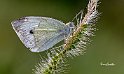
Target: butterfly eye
{"x": 31, "y": 32}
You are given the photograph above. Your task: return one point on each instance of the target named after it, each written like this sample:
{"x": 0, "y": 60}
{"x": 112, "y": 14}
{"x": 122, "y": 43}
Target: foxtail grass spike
{"x": 74, "y": 45}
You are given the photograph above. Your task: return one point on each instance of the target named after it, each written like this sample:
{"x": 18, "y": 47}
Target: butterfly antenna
{"x": 81, "y": 18}
{"x": 78, "y": 20}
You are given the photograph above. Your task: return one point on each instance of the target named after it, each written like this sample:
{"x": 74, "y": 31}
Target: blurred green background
{"x": 107, "y": 45}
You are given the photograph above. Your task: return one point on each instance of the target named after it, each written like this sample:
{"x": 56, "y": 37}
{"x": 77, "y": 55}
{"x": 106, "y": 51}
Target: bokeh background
{"x": 107, "y": 45}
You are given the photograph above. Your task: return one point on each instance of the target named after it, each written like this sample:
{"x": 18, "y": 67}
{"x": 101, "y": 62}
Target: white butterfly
{"x": 41, "y": 33}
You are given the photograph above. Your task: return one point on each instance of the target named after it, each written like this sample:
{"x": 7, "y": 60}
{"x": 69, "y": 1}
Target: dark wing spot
{"x": 31, "y": 32}
{"x": 21, "y": 18}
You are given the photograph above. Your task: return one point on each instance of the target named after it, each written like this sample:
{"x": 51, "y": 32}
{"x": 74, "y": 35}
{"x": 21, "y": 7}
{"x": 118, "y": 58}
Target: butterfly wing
{"x": 39, "y": 33}
{"x": 46, "y": 39}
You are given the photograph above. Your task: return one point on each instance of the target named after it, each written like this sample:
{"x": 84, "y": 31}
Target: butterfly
{"x": 41, "y": 33}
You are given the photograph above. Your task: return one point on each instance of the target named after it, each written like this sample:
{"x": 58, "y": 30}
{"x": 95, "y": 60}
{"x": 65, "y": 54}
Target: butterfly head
{"x": 69, "y": 28}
